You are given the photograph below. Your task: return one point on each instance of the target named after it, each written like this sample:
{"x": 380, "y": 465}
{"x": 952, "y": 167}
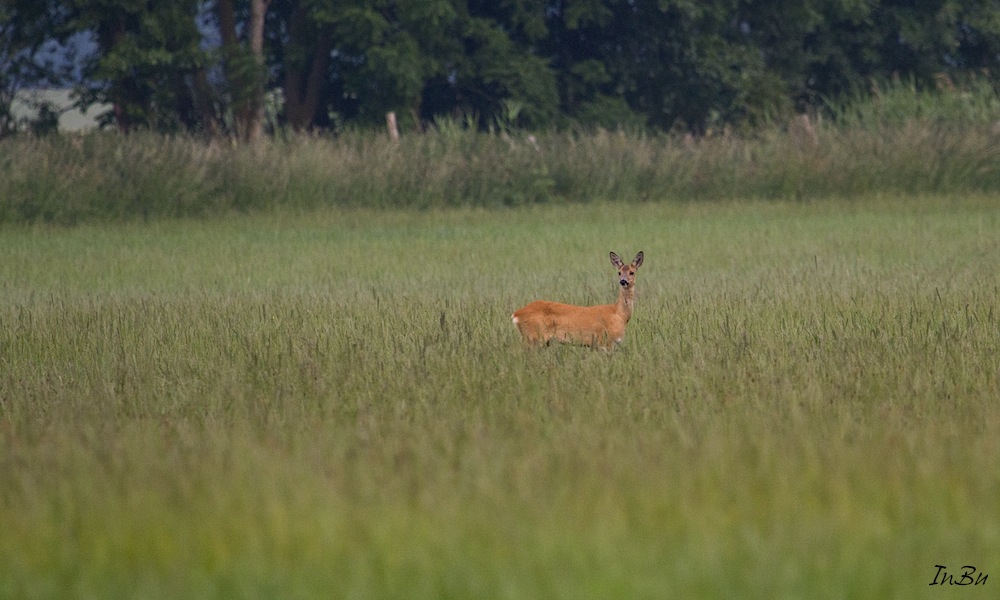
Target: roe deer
{"x": 604, "y": 325}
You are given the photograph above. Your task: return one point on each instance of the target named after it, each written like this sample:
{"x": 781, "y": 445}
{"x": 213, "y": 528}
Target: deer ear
{"x": 637, "y": 261}
{"x": 617, "y": 262}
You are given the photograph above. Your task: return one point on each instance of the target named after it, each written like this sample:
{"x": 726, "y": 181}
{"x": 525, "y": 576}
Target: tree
{"x": 822, "y": 49}
{"x": 429, "y": 58}
{"x": 301, "y": 44}
{"x": 29, "y": 33}
{"x": 591, "y": 92}
{"x": 243, "y": 62}
{"x": 671, "y": 63}
{"x": 502, "y": 64}
{"x": 385, "y": 53}
{"x": 153, "y": 65}
{"x": 699, "y": 65}
{"x": 148, "y": 64}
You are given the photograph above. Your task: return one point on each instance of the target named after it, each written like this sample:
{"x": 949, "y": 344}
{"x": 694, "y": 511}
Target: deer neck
{"x": 626, "y": 299}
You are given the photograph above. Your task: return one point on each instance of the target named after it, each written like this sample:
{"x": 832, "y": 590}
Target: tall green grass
{"x": 903, "y": 141}
{"x": 971, "y": 101}
{"x": 335, "y": 404}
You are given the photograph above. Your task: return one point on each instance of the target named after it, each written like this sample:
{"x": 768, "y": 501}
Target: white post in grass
{"x": 390, "y": 123}
{"x": 803, "y": 131}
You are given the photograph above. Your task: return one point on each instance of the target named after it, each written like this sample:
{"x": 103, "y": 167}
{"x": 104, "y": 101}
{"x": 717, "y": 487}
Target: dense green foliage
{"x": 664, "y": 64}
{"x": 336, "y": 405}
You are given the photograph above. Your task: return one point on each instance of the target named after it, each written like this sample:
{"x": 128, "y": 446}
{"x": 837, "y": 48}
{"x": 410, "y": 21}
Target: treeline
{"x": 236, "y": 67}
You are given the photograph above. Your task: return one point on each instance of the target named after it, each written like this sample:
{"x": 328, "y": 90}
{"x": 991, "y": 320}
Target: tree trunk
{"x": 304, "y": 81}
{"x": 120, "y": 96}
{"x": 255, "y": 108}
{"x": 203, "y": 103}
{"x": 245, "y": 80}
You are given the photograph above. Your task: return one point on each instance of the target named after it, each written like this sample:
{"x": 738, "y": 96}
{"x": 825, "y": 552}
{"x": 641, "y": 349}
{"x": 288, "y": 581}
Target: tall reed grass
{"x": 336, "y": 405}
{"x": 902, "y": 142}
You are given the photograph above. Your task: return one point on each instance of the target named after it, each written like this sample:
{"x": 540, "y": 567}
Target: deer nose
{"x": 624, "y": 282}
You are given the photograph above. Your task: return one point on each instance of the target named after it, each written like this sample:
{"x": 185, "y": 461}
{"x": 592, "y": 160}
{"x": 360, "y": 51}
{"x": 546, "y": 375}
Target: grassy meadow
{"x": 333, "y": 403}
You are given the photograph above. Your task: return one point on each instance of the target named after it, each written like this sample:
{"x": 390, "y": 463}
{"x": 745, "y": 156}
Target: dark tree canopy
{"x": 230, "y": 65}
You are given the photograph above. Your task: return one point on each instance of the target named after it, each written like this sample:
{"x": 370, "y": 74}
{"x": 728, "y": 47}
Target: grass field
{"x": 334, "y": 404}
